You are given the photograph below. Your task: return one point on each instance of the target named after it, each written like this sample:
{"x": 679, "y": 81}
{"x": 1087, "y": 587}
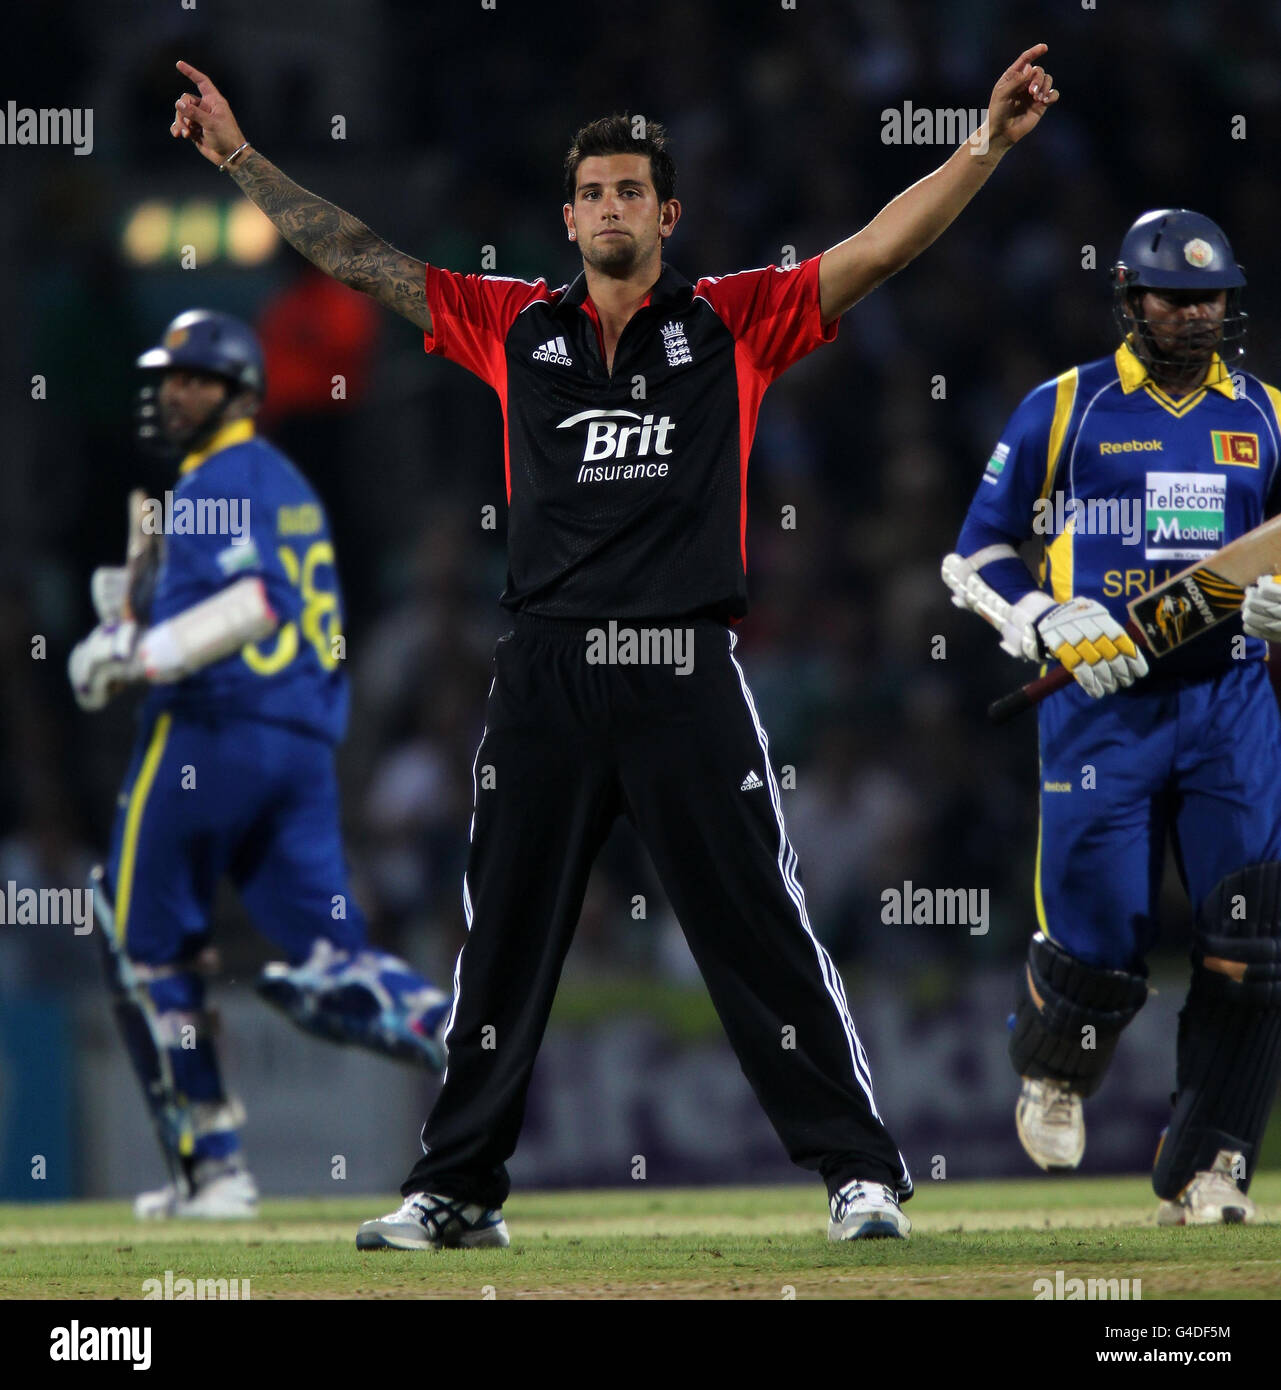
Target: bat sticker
{"x": 1183, "y": 608}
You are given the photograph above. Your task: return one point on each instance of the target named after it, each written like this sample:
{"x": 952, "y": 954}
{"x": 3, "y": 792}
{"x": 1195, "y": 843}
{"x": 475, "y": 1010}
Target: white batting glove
{"x": 103, "y": 664}
{"x": 1085, "y": 638}
{"x": 109, "y": 587}
{"x": 1015, "y": 622}
{"x": 1018, "y": 630}
{"x": 1261, "y": 612}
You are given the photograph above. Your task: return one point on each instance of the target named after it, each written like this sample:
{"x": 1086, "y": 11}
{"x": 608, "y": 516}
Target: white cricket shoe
{"x": 1212, "y": 1198}
{"x": 866, "y": 1211}
{"x": 428, "y": 1221}
{"x": 231, "y": 1196}
{"x": 1051, "y": 1124}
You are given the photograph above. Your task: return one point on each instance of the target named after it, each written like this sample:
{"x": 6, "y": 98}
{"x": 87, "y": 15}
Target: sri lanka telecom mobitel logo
{"x": 1183, "y": 515}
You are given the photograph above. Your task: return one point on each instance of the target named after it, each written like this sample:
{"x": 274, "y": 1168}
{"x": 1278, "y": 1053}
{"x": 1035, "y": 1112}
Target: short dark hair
{"x": 625, "y": 134}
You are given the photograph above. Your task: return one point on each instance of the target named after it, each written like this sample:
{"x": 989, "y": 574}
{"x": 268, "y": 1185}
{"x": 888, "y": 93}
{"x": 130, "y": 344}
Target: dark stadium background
{"x": 456, "y": 121}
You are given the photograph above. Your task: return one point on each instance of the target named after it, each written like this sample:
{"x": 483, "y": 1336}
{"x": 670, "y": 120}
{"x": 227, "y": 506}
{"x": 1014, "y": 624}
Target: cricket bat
{"x": 1173, "y": 613}
{"x": 142, "y": 558}
{"x": 131, "y": 1002}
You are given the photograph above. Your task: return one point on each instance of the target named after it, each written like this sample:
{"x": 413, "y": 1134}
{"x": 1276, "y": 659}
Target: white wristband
{"x": 207, "y": 632}
{"x": 160, "y": 655}
{"x": 1018, "y": 635}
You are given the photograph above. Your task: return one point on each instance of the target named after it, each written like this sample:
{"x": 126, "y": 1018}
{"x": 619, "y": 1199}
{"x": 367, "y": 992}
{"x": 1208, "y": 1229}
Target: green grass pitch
{"x": 989, "y": 1240}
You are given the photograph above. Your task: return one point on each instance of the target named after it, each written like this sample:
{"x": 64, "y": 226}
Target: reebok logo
{"x": 751, "y": 782}
{"x": 554, "y": 350}
{"x": 1133, "y": 446}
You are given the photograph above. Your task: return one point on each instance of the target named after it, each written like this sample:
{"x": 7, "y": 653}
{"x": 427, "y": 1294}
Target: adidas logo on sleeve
{"x": 554, "y": 350}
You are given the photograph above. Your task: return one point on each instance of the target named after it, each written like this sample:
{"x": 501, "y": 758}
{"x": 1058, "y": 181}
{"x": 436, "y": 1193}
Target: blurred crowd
{"x": 456, "y": 120}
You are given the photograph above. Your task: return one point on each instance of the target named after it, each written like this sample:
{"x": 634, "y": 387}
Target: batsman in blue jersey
{"x": 238, "y": 631}
{"x": 1129, "y": 469}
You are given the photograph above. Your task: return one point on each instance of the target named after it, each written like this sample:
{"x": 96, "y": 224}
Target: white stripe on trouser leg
{"x": 787, "y": 868}
{"x": 468, "y": 910}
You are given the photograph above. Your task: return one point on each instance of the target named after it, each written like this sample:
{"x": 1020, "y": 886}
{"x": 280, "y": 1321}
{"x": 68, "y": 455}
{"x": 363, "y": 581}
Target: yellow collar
{"x": 234, "y": 432}
{"x": 1134, "y": 373}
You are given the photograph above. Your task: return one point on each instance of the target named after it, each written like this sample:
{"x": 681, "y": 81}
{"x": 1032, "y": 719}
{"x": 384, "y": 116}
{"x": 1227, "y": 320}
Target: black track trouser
{"x": 567, "y": 746}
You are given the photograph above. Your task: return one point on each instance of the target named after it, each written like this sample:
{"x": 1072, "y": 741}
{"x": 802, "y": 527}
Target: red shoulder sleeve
{"x": 773, "y": 313}
{"x": 471, "y": 316}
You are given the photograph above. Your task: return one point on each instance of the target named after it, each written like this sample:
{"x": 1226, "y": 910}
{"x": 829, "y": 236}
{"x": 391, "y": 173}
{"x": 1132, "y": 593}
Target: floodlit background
{"x": 454, "y": 121}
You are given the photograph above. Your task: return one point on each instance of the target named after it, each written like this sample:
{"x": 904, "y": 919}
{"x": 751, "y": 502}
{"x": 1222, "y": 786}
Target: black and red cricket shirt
{"x": 627, "y": 491}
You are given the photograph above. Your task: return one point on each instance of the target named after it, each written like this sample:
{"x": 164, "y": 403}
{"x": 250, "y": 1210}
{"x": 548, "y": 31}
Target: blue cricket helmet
{"x": 205, "y": 340}
{"x": 1175, "y": 249}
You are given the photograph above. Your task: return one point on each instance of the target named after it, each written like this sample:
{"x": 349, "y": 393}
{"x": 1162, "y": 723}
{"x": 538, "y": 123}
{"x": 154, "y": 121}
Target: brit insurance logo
{"x": 554, "y": 350}
{"x": 620, "y": 435}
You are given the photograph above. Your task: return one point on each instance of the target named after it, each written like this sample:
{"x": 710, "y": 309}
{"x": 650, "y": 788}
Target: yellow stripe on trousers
{"x": 1040, "y": 900}
{"x": 1040, "y": 837}
{"x": 133, "y": 821}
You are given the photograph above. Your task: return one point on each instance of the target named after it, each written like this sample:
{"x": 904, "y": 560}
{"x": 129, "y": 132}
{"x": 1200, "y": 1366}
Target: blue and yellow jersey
{"x": 241, "y": 508}
{"x": 1127, "y": 486}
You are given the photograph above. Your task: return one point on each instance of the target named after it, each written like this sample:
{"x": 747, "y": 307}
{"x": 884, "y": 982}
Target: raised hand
{"x": 206, "y": 120}
{"x": 332, "y": 240}
{"x": 1022, "y": 95}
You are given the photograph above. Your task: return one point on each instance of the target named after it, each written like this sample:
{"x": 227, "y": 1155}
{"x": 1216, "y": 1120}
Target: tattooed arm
{"x": 335, "y": 241}
{"x": 331, "y": 239}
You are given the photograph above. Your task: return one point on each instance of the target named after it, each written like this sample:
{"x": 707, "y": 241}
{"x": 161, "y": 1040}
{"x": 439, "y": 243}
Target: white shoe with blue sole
{"x": 867, "y": 1211}
{"x": 428, "y": 1221}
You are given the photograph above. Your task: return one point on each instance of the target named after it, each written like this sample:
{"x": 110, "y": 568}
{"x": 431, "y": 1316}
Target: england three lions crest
{"x": 676, "y": 345}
